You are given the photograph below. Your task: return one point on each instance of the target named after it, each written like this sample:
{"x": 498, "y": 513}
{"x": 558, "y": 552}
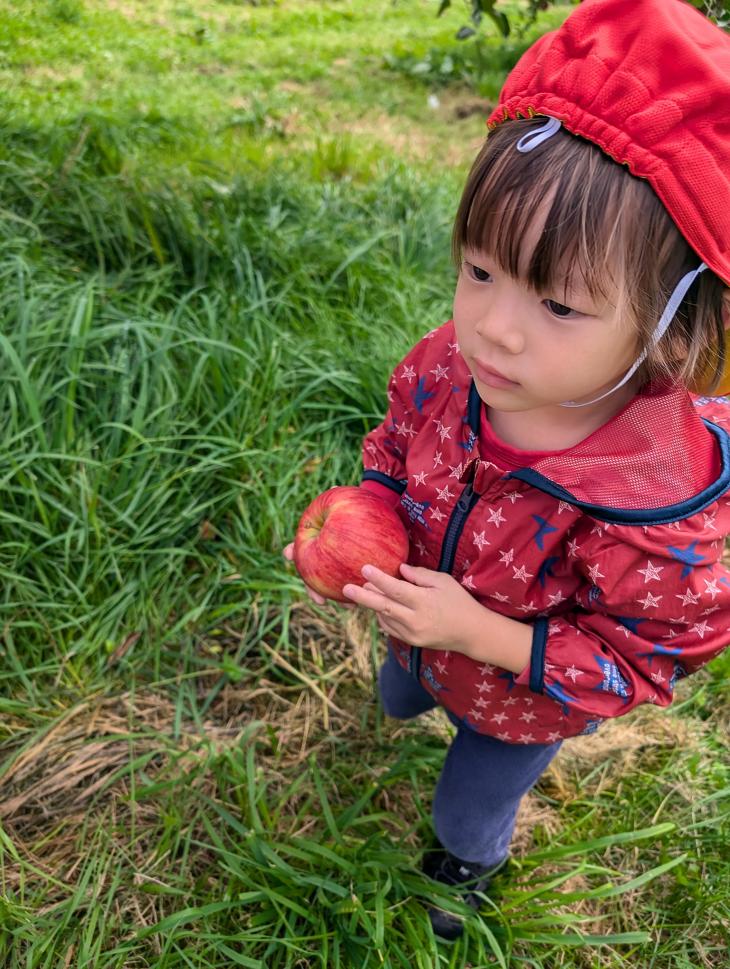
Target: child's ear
{"x": 726, "y": 309}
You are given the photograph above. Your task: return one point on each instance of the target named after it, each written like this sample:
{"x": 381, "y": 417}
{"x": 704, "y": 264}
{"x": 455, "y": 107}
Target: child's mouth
{"x": 492, "y": 377}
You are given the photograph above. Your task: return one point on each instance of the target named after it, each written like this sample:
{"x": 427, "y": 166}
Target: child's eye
{"x": 481, "y": 275}
{"x": 560, "y": 310}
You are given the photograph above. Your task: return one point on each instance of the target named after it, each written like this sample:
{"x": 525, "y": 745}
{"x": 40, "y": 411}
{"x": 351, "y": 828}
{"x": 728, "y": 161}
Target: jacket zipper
{"x": 464, "y": 506}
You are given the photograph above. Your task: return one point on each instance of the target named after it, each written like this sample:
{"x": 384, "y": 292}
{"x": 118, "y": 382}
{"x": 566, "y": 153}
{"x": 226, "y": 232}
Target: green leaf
{"x": 621, "y": 837}
{"x": 240, "y": 960}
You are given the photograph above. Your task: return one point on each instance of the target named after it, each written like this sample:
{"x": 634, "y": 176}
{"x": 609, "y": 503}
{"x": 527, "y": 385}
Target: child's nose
{"x": 500, "y": 324}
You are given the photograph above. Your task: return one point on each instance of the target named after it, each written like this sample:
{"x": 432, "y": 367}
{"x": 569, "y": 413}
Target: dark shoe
{"x": 444, "y": 867}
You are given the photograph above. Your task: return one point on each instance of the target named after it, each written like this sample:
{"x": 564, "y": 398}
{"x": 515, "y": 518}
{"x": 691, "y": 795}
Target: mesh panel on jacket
{"x": 607, "y": 467}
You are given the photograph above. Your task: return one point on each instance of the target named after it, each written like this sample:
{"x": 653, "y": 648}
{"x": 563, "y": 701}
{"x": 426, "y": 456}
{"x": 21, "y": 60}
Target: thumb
{"x": 420, "y": 576}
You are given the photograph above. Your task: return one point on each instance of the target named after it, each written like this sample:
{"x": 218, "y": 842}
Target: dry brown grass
{"x": 74, "y": 773}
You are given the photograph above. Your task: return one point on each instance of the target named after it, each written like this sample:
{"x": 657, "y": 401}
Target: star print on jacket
{"x": 610, "y": 550}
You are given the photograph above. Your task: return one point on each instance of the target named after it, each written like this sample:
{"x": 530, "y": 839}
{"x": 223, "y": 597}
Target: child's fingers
{"x": 391, "y": 588}
{"x": 420, "y": 576}
{"x": 288, "y": 552}
{"x": 373, "y": 599}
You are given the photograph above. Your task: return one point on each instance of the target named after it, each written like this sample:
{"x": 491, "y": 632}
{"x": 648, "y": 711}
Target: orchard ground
{"x": 223, "y": 223}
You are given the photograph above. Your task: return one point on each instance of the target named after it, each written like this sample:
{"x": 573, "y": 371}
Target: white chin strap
{"x": 536, "y": 137}
{"x": 680, "y": 291}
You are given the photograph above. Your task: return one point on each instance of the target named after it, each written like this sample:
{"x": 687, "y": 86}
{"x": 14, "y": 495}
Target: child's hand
{"x": 429, "y": 609}
{"x": 288, "y": 554}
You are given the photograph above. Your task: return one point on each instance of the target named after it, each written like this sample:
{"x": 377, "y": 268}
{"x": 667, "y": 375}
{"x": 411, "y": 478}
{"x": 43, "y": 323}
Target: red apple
{"x": 342, "y": 530}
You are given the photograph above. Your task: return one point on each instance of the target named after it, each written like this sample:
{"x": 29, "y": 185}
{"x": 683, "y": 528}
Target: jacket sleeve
{"x": 646, "y": 614}
{"x": 385, "y": 447}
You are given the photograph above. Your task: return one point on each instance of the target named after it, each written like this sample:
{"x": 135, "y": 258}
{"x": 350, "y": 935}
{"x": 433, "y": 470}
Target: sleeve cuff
{"x": 534, "y": 673}
{"x": 389, "y": 489}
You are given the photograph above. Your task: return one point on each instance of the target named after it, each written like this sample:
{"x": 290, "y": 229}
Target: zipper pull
{"x": 466, "y": 495}
{"x": 469, "y": 471}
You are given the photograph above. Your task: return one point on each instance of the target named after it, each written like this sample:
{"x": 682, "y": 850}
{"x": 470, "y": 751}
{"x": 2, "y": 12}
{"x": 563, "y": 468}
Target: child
{"x": 566, "y": 495}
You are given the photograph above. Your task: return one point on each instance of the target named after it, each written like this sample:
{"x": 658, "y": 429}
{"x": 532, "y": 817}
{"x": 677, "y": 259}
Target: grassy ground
{"x": 216, "y": 217}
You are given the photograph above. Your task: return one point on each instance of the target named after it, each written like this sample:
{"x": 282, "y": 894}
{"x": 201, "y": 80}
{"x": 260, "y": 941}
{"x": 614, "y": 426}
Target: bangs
{"x": 570, "y": 184}
{"x": 565, "y": 218}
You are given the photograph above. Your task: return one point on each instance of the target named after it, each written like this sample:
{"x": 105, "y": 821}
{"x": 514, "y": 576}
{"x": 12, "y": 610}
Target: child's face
{"x": 553, "y": 347}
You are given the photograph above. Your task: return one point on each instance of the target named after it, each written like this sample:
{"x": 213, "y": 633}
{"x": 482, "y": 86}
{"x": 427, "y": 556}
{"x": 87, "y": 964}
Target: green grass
{"x": 217, "y": 238}
{"x": 193, "y": 84}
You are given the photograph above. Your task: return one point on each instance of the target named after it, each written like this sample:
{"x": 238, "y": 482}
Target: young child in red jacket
{"x": 567, "y": 495}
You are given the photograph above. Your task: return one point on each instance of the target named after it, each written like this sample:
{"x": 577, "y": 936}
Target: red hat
{"x": 648, "y": 81}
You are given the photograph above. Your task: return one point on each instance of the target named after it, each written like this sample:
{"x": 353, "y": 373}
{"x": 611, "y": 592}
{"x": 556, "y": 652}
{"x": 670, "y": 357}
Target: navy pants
{"x": 482, "y": 781}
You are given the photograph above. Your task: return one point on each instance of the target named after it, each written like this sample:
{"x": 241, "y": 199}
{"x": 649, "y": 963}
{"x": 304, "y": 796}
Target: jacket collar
{"x": 656, "y": 461}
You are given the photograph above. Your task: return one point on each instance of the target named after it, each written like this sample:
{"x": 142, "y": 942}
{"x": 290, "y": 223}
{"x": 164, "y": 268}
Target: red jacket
{"x": 611, "y": 549}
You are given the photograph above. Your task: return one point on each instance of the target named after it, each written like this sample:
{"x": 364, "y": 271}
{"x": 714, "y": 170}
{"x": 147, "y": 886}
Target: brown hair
{"x": 604, "y": 224}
